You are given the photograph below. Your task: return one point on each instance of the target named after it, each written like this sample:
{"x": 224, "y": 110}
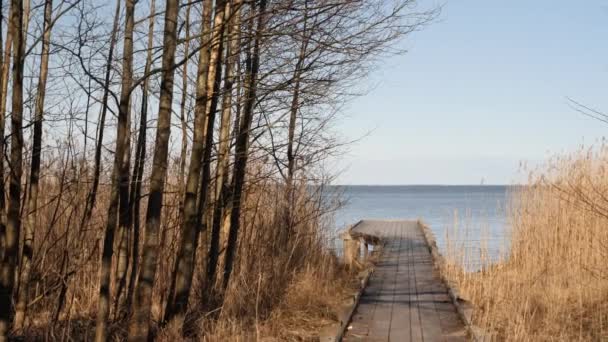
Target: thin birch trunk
{"x": 5, "y": 65}
{"x": 32, "y": 205}
{"x": 26, "y": 20}
{"x": 184, "y": 263}
{"x": 13, "y": 224}
{"x": 242, "y": 146}
{"x": 26, "y": 23}
{"x": 293, "y": 117}
{"x": 140, "y": 320}
{"x": 182, "y": 111}
{"x": 103, "y": 310}
{"x": 138, "y": 168}
{"x": 219, "y": 236}
{"x": 125, "y": 213}
{"x": 225, "y": 225}
{"x": 213, "y": 83}
{"x": 124, "y": 219}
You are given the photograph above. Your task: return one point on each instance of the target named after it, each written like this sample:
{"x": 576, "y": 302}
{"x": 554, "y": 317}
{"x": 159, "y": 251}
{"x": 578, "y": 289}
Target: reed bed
{"x": 285, "y": 292}
{"x": 552, "y": 281}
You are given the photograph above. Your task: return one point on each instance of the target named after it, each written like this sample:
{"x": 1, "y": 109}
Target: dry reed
{"x": 552, "y": 284}
{"x": 277, "y": 292}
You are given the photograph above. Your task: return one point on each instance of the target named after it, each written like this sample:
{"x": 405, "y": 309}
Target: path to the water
{"x": 405, "y": 299}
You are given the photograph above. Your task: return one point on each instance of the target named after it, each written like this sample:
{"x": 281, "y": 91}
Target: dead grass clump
{"x": 310, "y": 304}
{"x": 281, "y": 293}
{"x": 554, "y": 282}
{"x": 284, "y": 286}
{"x": 287, "y": 284}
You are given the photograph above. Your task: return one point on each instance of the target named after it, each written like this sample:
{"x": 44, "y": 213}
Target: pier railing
{"x": 357, "y": 247}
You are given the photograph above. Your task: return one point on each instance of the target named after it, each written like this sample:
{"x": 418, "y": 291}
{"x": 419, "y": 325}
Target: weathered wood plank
{"x": 405, "y": 299}
{"x": 416, "y": 322}
{"x": 400, "y": 319}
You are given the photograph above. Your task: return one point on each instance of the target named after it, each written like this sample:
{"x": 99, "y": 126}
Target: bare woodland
{"x": 163, "y": 161}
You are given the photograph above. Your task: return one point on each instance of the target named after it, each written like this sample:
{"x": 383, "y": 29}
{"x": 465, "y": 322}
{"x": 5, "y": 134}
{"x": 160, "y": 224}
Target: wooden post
{"x": 352, "y": 249}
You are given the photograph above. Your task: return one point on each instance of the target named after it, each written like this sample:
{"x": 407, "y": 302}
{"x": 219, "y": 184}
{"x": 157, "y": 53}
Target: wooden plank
{"x": 416, "y": 321}
{"x": 425, "y": 277}
{"x": 380, "y": 327}
{"x": 400, "y": 318}
{"x": 405, "y": 299}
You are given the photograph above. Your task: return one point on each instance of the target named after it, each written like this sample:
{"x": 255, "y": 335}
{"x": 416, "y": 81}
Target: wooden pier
{"x": 405, "y": 299}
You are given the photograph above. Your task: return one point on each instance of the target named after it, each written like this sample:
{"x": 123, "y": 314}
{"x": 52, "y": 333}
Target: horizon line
{"x": 426, "y": 184}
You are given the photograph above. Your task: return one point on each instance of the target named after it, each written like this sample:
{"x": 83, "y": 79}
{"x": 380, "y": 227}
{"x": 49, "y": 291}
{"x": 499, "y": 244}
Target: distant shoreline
{"x": 427, "y": 185}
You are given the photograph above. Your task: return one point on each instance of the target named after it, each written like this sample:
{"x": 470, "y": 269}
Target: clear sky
{"x": 480, "y": 91}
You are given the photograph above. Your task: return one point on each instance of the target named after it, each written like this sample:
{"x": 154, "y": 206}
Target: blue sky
{"x": 479, "y": 92}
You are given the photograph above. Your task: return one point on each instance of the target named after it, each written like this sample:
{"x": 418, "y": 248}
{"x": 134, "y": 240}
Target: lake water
{"x": 473, "y": 217}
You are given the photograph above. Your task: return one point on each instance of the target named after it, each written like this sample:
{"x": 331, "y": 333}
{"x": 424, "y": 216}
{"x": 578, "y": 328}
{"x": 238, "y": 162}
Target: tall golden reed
{"x": 553, "y": 284}
{"x": 281, "y": 292}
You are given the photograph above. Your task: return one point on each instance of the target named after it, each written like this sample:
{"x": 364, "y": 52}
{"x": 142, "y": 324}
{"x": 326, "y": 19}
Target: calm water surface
{"x": 473, "y": 217}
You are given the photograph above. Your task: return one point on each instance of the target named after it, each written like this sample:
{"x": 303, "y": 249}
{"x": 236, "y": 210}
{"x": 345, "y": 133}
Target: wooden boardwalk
{"x": 405, "y": 299}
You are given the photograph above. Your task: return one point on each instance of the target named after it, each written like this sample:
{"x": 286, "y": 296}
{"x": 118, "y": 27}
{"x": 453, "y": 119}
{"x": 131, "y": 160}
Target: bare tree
{"x": 218, "y": 238}
{"x": 125, "y": 208}
{"x": 13, "y": 224}
{"x": 118, "y": 177}
{"x": 242, "y": 143}
{"x": 92, "y": 195}
{"x": 184, "y": 264}
{"x": 182, "y": 106}
{"x": 6, "y": 64}
{"x": 32, "y": 205}
{"x": 138, "y": 167}
{"x": 139, "y": 324}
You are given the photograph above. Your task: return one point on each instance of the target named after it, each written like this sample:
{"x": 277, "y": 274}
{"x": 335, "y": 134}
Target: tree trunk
{"x": 125, "y": 212}
{"x": 189, "y": 243}
{"x": 34, "y": 171}
{"x": 13, "y": 224}
{"x": 138, "y": 168}
{"x": 214, "y": 81}
{"x": 184, "y": 263}
{"x": 117, "y": 186}
{"x": 287, "y": 219}
{"x": 5, "y": 58}
{"x": 139, "y": 325}
{"x": 26, "y": 20}
{"x": 225, "y": 224}
{"x": 219, "y": 237}
{"x": 242, "y": 146}
{"x": 182, "y": 113}
{"x": 124, "y": 219}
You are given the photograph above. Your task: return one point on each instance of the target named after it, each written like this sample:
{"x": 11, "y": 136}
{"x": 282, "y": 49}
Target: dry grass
{"x": 281, "y": 293}
{"x": 285, "y": 292}
{"x": 554, "y": 284}
{"x": 308, "y": 305}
